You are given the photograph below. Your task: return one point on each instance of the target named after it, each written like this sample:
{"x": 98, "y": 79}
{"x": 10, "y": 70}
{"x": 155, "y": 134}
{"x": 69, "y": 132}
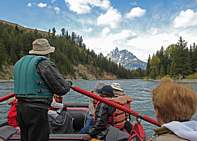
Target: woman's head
{"x": 173, "y": 102}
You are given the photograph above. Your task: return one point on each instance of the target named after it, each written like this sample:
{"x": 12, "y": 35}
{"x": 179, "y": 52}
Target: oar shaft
{"x": 97, "y": 97}
{"x": 6, "y": 97}
{"x": 116, "y": 105}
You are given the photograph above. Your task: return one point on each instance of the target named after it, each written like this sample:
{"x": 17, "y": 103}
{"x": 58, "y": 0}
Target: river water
{"x": 138, "y": 89}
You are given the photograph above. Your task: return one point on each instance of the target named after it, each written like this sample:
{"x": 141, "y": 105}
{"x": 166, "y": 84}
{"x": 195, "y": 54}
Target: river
{"x": 138, "y": 89}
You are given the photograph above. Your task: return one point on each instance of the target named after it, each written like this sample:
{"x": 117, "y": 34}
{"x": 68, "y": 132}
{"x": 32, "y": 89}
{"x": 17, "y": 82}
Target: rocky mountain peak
{"x": 127, "y": 59}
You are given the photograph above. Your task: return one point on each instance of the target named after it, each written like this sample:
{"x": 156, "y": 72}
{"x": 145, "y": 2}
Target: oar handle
{"x": 6, "y": 97}
{"x": 116, "y": 105}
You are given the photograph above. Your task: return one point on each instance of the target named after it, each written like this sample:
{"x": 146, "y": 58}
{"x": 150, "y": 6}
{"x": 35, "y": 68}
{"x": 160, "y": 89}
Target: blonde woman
{"x": 174, "y": 105}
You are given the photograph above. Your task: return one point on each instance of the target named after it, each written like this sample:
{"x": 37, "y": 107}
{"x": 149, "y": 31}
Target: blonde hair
{"x": 166, "y": 80}
{"x": 174, "y": 102}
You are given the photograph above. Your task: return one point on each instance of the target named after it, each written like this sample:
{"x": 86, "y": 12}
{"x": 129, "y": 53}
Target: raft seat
{"x": 79, "y": 117}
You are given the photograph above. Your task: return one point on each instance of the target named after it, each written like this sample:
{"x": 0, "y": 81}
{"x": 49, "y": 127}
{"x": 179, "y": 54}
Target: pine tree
{"x": 183, "y": 66}
{"x": 73, "y": 36}
{"x": 194, "y": 57}
{"x": 53, "y": 31}
{"x": 154, "y": 66}
{"x": 63, "y": 31}
{"x": 148, "y": 66}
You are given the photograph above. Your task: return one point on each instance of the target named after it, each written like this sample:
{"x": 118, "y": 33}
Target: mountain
{"x": 126, "y": 59}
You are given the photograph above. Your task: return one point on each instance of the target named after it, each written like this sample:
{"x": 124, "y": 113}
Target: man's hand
{"x": 87, "y": 137}
{"x": 70, "y": 83}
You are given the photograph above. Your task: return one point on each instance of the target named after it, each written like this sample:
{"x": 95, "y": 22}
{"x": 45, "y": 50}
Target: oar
{"x": 6, "y": 97}
{"x": 116, "y": 105}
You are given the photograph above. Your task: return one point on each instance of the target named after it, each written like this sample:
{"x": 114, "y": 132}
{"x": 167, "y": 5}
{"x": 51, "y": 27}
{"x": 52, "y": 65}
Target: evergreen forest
{"x": 178, "y": 61}
{"x": 71, "y": 52}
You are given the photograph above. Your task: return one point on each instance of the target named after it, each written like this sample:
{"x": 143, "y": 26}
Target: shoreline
{"x": 158, "y": 80}
{"x": 178, "y": 81}
{"x": 6, "y": 81}
{"x": 186, "y": 81}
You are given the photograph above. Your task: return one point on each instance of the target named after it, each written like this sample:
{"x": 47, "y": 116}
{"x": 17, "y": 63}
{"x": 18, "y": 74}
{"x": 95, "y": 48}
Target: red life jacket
{"x": 119, "y": 117}
{"x": 12, "y": 114}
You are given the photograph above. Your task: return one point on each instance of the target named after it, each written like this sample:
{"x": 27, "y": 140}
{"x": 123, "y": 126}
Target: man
{"x": 36, "y": 79}
{"x": 102, "y": 129}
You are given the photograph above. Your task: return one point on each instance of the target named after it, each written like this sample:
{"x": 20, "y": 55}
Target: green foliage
{"x": 177, "y": 61}
{"x": 154, "y": 66}
{"x": 138, "y": 73}
{"x": 16, "y": 42}
{"x": 192, "y": 76}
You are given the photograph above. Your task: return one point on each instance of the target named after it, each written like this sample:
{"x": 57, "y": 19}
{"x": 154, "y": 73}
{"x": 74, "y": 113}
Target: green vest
{"x": 27, "y": 81}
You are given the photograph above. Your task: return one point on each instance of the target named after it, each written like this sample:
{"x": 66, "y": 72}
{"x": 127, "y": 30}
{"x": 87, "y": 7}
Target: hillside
{"x": 14, "y": 25}
{"x": 72, "y": 57}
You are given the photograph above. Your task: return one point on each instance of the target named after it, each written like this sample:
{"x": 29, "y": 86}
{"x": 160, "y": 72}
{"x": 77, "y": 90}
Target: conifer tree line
{"x": 178, "y": 61}
{"x": 16, "y": 42}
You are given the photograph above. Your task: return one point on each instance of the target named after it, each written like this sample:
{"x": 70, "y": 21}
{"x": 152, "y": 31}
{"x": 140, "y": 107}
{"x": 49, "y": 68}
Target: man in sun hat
{"x": 36, "y": 79}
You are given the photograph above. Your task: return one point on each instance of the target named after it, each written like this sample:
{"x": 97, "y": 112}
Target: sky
{"x": 140, "y": 26}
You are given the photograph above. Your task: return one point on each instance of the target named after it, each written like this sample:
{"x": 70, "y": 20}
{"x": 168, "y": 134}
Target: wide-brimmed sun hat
{"x": 116, "y": 86}
{"x": 41, "y": 47}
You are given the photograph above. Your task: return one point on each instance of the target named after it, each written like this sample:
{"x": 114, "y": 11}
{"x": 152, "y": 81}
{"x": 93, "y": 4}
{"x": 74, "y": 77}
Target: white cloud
{"x": 104, "y": 4}
{"x": 107, "y": 41}
{"x": 50, "y": 7}
{"x": 86, "y": 21}
{"x": 147, "y": 44}
{"x": 189, "y": 35}
{"x": 88, "y": 30}
{"x": 85, "y": 6}
{"x": 42, "y": 5}
{"x": 111, "y": 18}
{"x": 78, "y": 6}
{"x": 57, "y": 9}
{"x": 135, "y": 12}
{"x": 186, "y": 19}
{"x": 123, "y": 35}
{"x": 105, "y": 31}
{"x": 141, "y": 45}
{"x": 29, "y": 4}
{"x": 153, "y": 31}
